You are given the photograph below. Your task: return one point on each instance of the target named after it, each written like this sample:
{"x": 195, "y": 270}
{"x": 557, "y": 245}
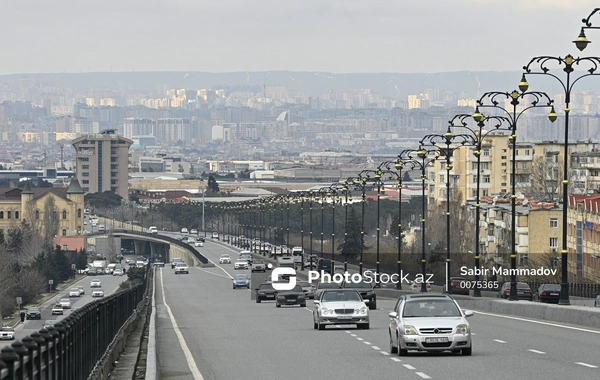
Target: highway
{"x": 110, "y": 284}
{"x": 207, "y": 330}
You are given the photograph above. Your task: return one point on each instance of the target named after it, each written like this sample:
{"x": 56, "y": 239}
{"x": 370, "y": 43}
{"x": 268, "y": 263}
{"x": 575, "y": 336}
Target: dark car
{"x": 324, "y": 265}
{"x": 524, "y": 292}
{"x": 597, "y": 301}
{"x": 33, "y": 313}
{"x": 547, "y": 293}
{"x": 459, "y": 285}
{"x": 366, "y": 292}
{"x": 293, "y": 296}
{"x": 265, "y": 292}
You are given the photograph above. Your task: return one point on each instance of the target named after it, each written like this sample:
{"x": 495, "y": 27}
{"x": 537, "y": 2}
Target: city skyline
{"x": 429, "y": 36}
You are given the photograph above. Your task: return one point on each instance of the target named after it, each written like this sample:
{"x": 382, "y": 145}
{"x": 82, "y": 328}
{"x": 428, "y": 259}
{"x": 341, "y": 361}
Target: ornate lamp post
{"x": 311, "y": 196}
{"x": 582, "y": 42}
{"x": 445, "y": 146}
{"x": 491, "y": 100}
{"x": 380, "y": 190}
{"x": 361, "y": 184}
{"x": 479, "y": 134}
{"x": 348, "y": 198}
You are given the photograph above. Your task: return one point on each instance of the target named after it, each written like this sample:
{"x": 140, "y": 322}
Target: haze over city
{"x": 311, "y": 35}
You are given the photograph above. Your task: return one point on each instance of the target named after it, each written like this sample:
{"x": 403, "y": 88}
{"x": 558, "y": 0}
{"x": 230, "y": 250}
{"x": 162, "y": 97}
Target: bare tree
{"x": 546, "y": 174}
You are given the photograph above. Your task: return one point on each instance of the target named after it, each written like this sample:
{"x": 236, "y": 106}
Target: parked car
{"x": 241, "y": 281}
{"x": 547, "y": 293}
{"x": 33, "y": 313}
{"x": 426, "y": 322}
{"x": 459, "y": 285}
{"x": 340, "y": 307}
{"x": 524, "y": 292}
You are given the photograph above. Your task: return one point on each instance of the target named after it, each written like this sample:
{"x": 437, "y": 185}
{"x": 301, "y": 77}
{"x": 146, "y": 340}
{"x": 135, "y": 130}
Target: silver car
{"x": 427, "y": 322}
{"x": 340, "y": 307}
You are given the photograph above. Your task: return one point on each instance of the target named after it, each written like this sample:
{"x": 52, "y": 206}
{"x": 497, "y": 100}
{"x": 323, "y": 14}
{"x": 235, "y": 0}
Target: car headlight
{"x": 410, "y": 330}
{"x": 325, "y": 311}
{"x": 362, "y": 310}
{"x": 462, "y": 329}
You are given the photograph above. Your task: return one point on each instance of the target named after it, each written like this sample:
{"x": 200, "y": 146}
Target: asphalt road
{"x": 207, "y": 330}
{"x": 110, "y": 284}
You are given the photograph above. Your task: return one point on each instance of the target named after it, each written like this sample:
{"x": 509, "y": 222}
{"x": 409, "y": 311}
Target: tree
{"x": 351, "y": 246}
{"x": 104, "y": 199}
{"x": 51, "y": 222}
{"x": 212, "y": 185}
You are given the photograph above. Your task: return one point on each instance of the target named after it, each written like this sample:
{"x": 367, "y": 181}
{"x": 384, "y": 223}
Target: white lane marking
{"x": 307, "y": 309}
{"x": 423, "y": 375}
{"x": 375, "y": 348}
{"x": 360, "y": 338}
{"x": 384, "y": 353}
{"x": 539, "y": 322}
{"x": 498, "y": 340}
{"x": 408, "y": 366}
{"x": 354, "y": 335}
{"x": 365, "y": 342}
{"x": 214, "y": 274}
{"x": 536, "y": 351}
{"x": 586, "y": 365}
{"x": 396, "y": 359}
{"x": 348, "y": 332}
{"x": 186, "y": 351}
{"x": 220, "y": 267}
{"x": 473, "y": 334}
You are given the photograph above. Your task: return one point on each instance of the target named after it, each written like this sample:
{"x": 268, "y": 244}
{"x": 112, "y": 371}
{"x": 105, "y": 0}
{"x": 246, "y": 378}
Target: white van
{"x": 152, "y": 230}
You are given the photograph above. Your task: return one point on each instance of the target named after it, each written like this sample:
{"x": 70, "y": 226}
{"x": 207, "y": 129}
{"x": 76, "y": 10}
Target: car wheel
{"x": 372, "y": 306}
{"x": 401, "y": 352}
{"x": 393, "y": 349}
{"x": 321, "y": 327}
{"x": 364, "y": 326}
{"x": 315, "y": 326}
{"x": 302, "y": 305}
{"x": 467, "y": 351}
{"x": 257, "y": 300}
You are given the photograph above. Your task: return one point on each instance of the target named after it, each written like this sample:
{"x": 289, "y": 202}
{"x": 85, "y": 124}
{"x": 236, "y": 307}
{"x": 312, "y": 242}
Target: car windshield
{"x": 327, "y": 285}
{"x": 266, "y": 286}
{"x": 296, "y": 289}
{"x": 551, "y": 287}
{"x": 436, "y": 308}
{"x": 74, "y": 289}
{"x": 50, "y": 322}
{"x": 8, "y": 329}
{"x": 341, "y": 296}
{"x": 522, "y": 285}
{"x": 225, "y": 256}
{"x": 361, "y": 285}
{"x": 241, "y": 276}
{"x": 241, "y": 261}
{"x": 181, "y": 265}
{"x": 34, "y": 310}
{"x": 64, "y": 300}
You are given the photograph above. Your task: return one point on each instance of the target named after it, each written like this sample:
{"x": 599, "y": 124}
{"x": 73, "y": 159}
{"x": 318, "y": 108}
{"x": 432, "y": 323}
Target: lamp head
{"x": 422, "y": 153}
{"x": 477, "y": 116}
{"x": 448, "y": 135}
{"x": 382, "y": 191}
{"x": 582, "y": 42}
{"x": 378, "y": 175}
{"x": 398, "y": 165}
{"x": 552, "y": 116}
{"x": 523, "y": 85}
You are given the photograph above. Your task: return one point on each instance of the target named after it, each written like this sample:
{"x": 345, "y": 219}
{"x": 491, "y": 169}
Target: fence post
{"x": 60, "y": 349}
{"x": 45, "y": 334}
{"x": 31, "y": 347}
{"x": 42, "y": 351}
{"x": 22, "y": 352}
{"x": 9, "y": 356}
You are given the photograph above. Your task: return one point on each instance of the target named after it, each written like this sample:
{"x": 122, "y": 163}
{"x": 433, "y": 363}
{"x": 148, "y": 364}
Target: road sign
{"x": 50, "y": 282}
{"x": 19, "y": 301}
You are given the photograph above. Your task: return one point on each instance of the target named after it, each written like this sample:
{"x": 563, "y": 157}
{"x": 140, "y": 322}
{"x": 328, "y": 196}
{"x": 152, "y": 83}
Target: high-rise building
{"x": 103, "y": 162}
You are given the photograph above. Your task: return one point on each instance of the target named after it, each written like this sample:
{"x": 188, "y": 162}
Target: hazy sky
{"x": 340, "y": 36}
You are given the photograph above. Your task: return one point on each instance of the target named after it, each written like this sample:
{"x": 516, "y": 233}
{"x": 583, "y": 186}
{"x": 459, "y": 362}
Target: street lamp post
{"x": 460, "y": 121}
{"x": 310, "y": 232}
{"x": 348, "y": 197}
{"x": 398, "y": 165}
{"x": 446, "y": 144}
{"x": 492, "y": 100}
{"x": 302, "y": 228}
{"x": 361, "y": 183}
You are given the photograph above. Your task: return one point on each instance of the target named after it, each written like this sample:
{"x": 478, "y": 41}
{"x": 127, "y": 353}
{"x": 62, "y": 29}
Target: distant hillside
{"x": 310, "y": 83}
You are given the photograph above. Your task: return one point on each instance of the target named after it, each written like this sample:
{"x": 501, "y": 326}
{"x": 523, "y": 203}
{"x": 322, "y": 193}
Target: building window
{"x": 64, "y": 216}
{"x": 486, "y": 178}
{"x": 1, "y": 214}
{"x": 553, "y": 242}
{"x": 486, "y": 193}
{"x": 113, "y": 167}
{"x": 79, "y": 213}
{"x": 85, "y": 166}
{"x": 442, "y": 178}
{"x": 64, "y": 232}
{"x": 504, "y": 164}
{"x": 113, "y": 174}
{"x": 86, "y": 189}
{"x": 553, "y": 223}
{"x": 37, "y": 214}
{"x": 86, "y": 181}
{"x": 503, "y": 157}
{"x": 114, "y": 159}
{"x": 16, "y": 215}
{"x": 85, "y": 174}
{"x": 524, "y": 166}
{"x": 486, "y": 152}
{"x": 527, "y": 152}
{"x": 8, "y": 214}
{"x": 113, "y": 182}
{"x": 85, "y": 159}
{"x": 485, "y": 166}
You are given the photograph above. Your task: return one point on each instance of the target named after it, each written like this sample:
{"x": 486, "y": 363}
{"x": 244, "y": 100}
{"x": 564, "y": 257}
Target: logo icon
{"x": 283, "y": 271}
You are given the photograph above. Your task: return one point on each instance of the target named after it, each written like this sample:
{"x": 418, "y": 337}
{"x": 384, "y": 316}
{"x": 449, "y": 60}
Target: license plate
{"x": 344, "y": 317}
{"x": 436, "y": 340}
{"x": 554, "y": 294}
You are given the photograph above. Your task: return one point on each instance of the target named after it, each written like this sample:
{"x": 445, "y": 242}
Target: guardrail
{"x": 74, "y": 347}
{"x": 168, "y": 239}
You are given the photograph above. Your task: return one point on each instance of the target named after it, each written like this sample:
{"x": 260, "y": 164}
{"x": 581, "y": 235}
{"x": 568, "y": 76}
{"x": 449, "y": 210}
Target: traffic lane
{"x": 493, "y": 358}
{"x": 231, "y": 336}
{"x": 110, "y": 284}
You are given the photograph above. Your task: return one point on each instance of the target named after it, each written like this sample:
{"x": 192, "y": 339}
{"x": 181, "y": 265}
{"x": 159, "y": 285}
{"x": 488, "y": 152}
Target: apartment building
{"x": 583, "y": 238}
{"x": 102, "y": 162}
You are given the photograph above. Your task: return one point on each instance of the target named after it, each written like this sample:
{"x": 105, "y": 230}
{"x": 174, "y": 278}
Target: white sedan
{"x": 7, "y": 333}
{"x": 74, "y": 292}
{"x": 182, "y": 268}
{"x": 95, "y": 283}
{"x": 225, "y": 259}
{"x": 98, "y": 293}
{"x": 198, "y": 243}
{"x": 241, "y": 264}
{"x": 65, "y": 303}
